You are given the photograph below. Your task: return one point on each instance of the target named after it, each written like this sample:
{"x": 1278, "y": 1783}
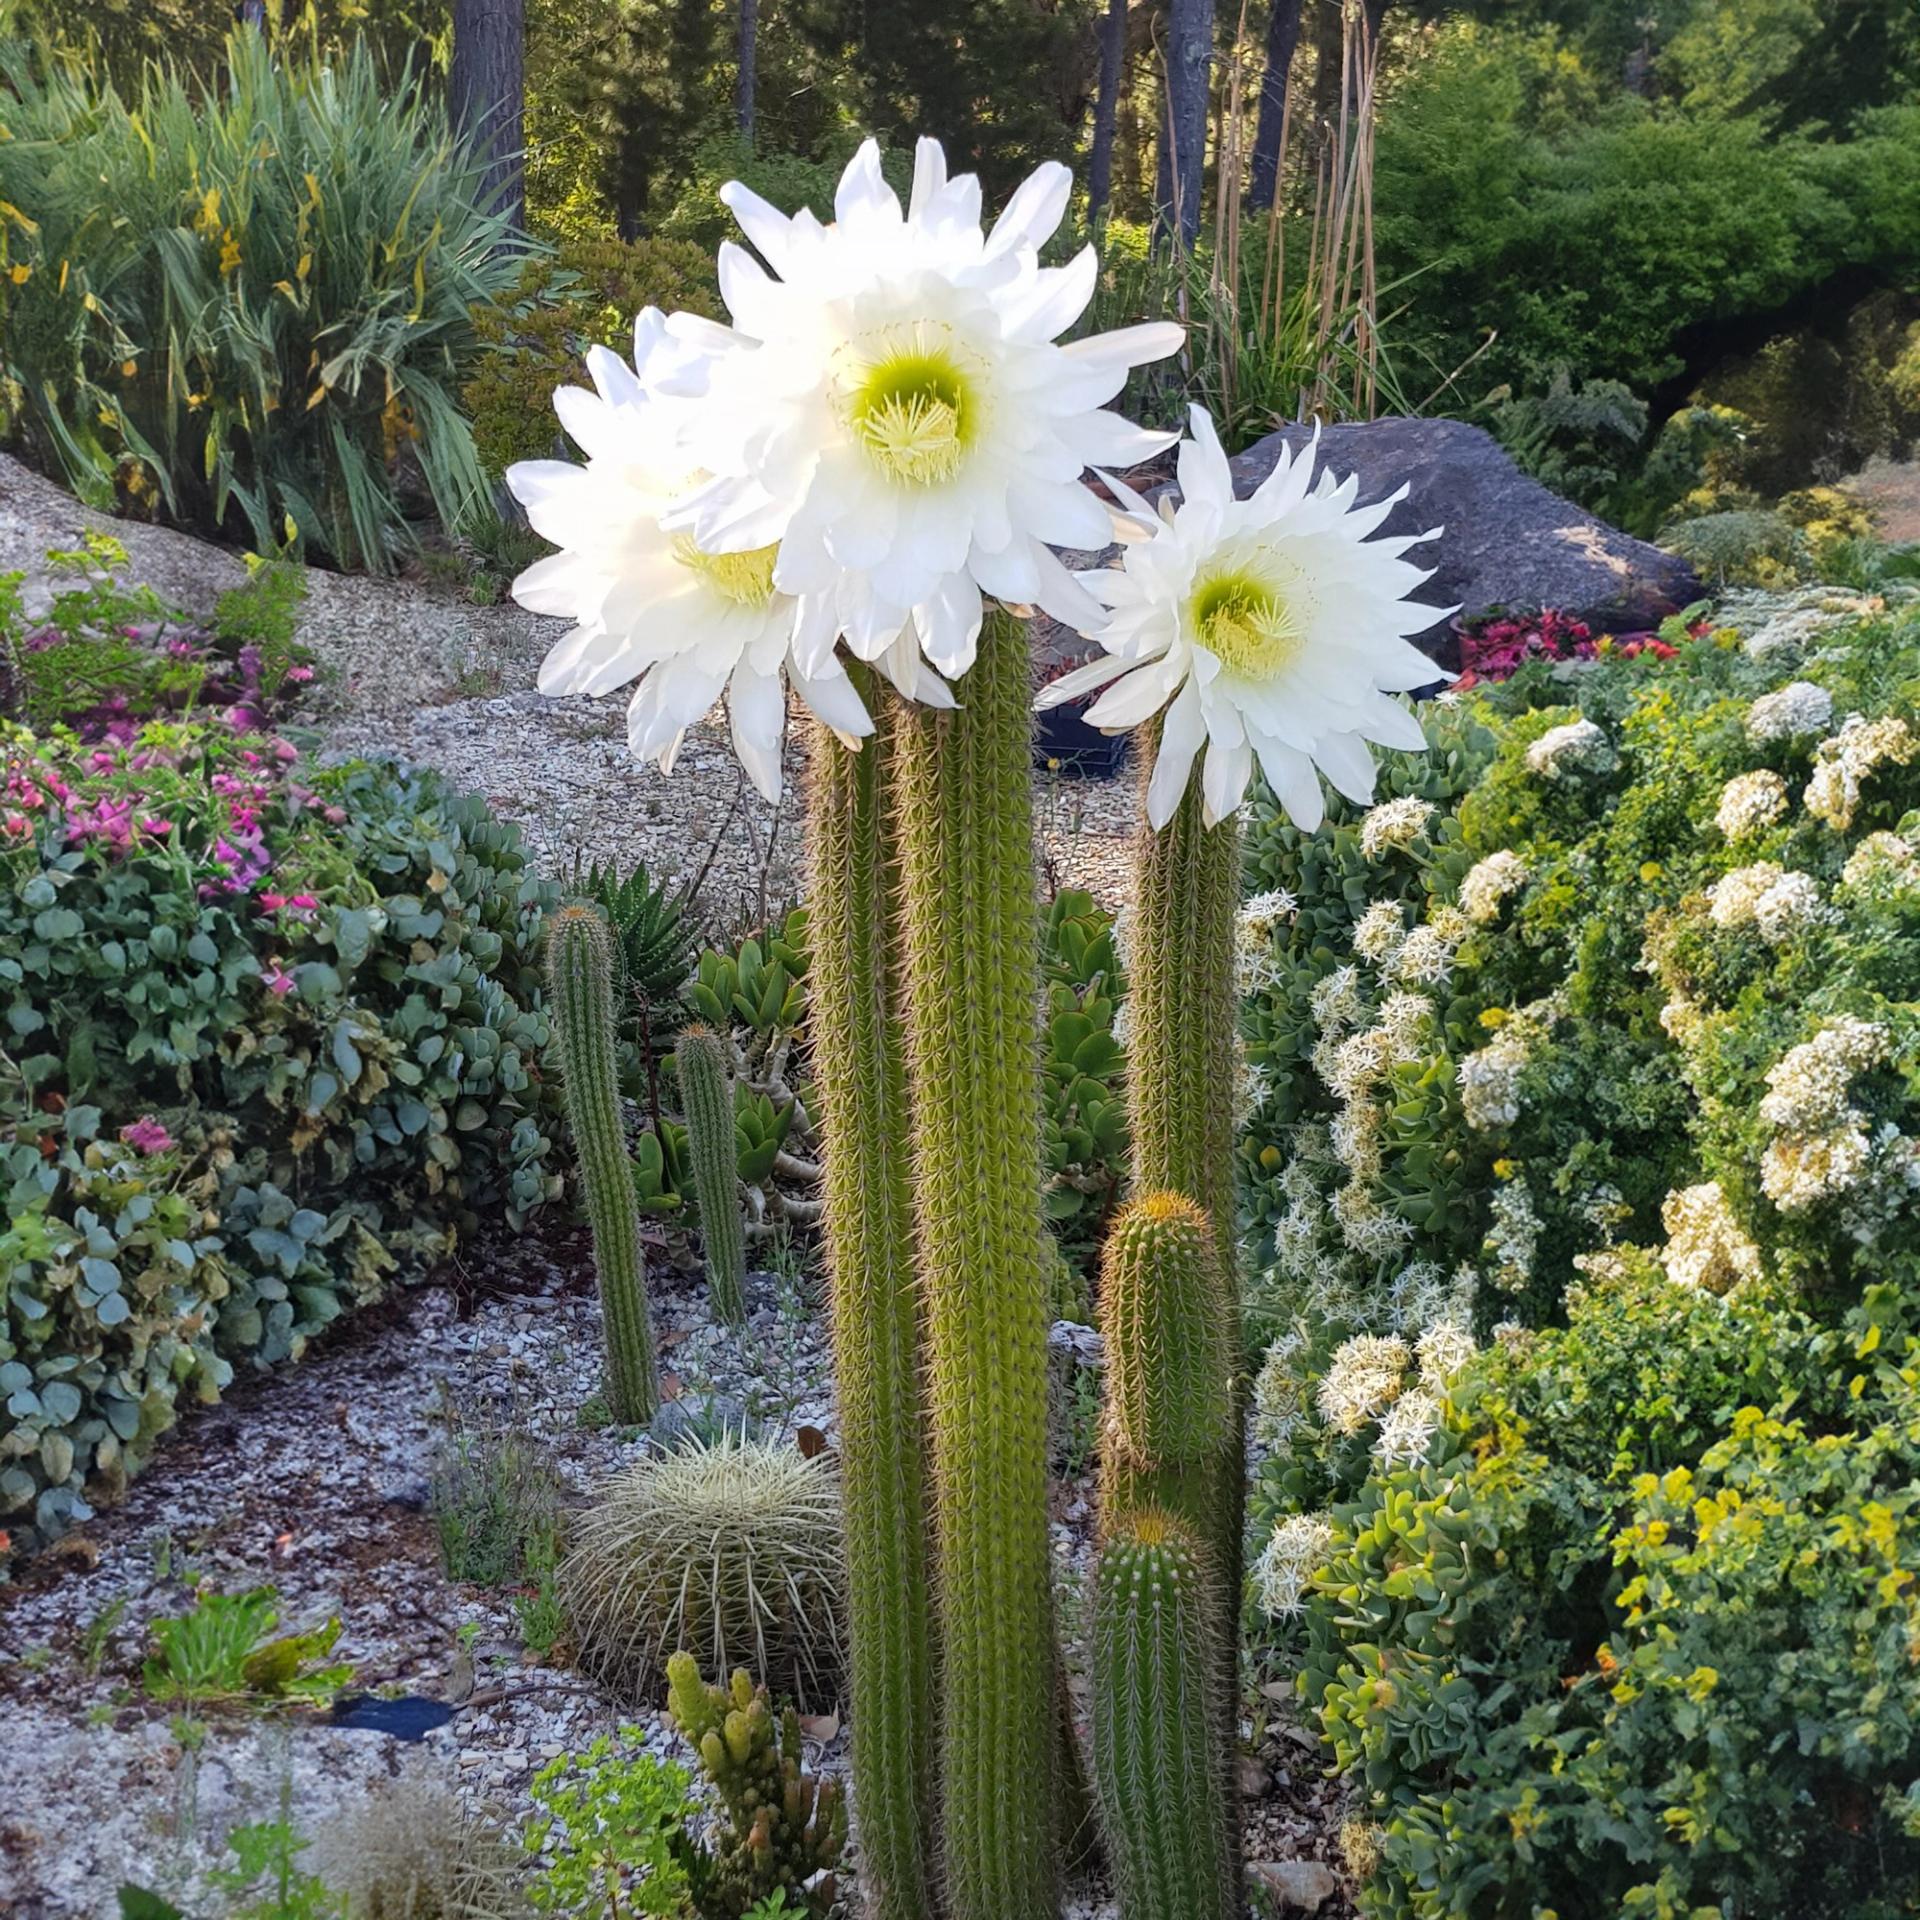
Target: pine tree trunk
{"x": 1180, "y": 182}
{"x": 1113, "y": 48}
{"x": 486, "y": 96}
{"x": 1283, "y": 36}
{"x": 749, "y": 48}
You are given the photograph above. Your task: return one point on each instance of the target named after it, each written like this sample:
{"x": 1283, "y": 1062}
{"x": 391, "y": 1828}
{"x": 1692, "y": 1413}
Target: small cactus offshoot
{"x": 785, "y": 1829}
{"x": 706, "y": 1086}
{"x": 580, "y": 981}
{"x": 1157, "y": 1736}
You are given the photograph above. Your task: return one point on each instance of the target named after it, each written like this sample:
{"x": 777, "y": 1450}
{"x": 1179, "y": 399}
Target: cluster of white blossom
{"x": 1577, "y": 747}
{"x": 1778, "y": 901}
{"x": 1394, "y": 825}
{"x": 1514, "y": 1237}
{"x": 1843, "y": 763}
{"x": 1407, "y": 1428}
{"x": 1258, "y": 921}
{"x": 1422, "y": 1296}
{"x": 1289, "y": 1561}
{"x": 1443, "y": 1349}
{"x": 1798, "y": 708}
{"x": 1371, "y": 1230}
{"x": 1425, "y": 956}
{"x": 1379, "y": 932}
{"x": 1820, "y": 1145}
{"x": 1488, "y": 883}
{"x": 1705, "y": 1245}
{"x": 1337, "y": 1002}
{"x": 1362, "y": 1380}
{"x": 1881, "y": 861}
{"x": 1490, "y": 1080}
{"x": 1279, "y": 1394}
{"x": 1749, "y": 802}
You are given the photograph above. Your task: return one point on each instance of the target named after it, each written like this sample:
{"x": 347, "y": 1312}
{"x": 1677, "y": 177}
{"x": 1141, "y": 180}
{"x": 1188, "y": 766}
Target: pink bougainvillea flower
{"x": 146, "y": 1135}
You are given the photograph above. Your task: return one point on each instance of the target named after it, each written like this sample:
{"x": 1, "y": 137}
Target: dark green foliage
{"x": 654, "y": 942}
{"x": 1157, "y": 1736}
{"x": 706, "y": 1089}
{"x": 1082, "y": 1067}
{"x": 249, "y": 347}
{"x": 580, "y": 976}
{"x": 784, "y": 1824}
{"x": 228, "y": 1120}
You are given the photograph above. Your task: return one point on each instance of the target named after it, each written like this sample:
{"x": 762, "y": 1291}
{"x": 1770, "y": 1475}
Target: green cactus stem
{"x": 706, "y": 1088}
{"x": 1181, "y": 1069}
{"x": 1157, "y": 1742}
{"x": 962, "y": 810}
{"x": 580, "y": 960}
{"x": 853, "y": 950}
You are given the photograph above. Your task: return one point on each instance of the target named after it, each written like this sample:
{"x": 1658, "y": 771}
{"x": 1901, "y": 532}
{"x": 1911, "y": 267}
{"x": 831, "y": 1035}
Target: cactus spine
{"x": 580, "y": 981}
{"x": 1156, "y": 1738}
{"x": 962, "y": 799}
{"x": 706, "y": 1086}
{"x": 1166, "y": 1312}
{"x": 853, "y": 996}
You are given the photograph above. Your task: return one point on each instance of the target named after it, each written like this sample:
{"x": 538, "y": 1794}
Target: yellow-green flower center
{"x": 744, "y": 578}
{"x": 915, "y": 415}
{"x": 1246, "y": 625}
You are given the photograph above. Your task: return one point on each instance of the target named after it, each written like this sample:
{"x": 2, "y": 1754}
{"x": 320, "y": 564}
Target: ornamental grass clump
{"x": 730, "y": 1550}
{"x": 412, "y": 1851}
{"x": 241, "y": 306}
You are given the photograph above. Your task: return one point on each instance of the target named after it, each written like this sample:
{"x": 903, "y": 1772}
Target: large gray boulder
{"x": 1506, "y": 540}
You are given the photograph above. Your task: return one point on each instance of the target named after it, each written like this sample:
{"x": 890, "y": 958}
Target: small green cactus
{"x": 706, "y": 1086}
{"x": 786, "y": 1829}
{"x": 580, "y": 982}
{"x": 1157, "y": 1736}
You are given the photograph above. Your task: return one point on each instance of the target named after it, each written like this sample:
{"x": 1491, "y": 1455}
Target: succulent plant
{"x": 786, "y": 1829}
{"x": 961, "y": 797}
{"x": 731, "y": 1550}
{"x": 580, "y": 978}
{"x": 707, "y": 1089}
{"x": 1157, "y": 1737}
{"x": 855, "y": 984}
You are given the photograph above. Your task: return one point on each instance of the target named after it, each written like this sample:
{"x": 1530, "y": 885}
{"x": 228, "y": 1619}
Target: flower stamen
{"x": 914, "y": 415}
{"x": 1246, "y": 625}
{"x": 745, "y": 579}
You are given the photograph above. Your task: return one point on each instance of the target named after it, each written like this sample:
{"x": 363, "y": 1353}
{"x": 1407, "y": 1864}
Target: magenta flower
{"x": 278, "y": 981}
{"x": 146, "y": 1135}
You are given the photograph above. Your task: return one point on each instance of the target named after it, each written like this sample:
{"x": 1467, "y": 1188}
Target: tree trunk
{"x": 486, "y": 96}
{"x": 743, "y": 95}
{"x": 1106, "y": 108}
{"x": 1180, "y": 180}
{"x": 1283, "y": 36}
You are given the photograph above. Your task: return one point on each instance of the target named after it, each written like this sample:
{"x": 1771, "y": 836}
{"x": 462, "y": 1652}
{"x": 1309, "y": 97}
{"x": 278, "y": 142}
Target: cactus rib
{"x": 858, "y": 1064}
{"x": 962, "y": 796}
{"x": 706, "y": 1086}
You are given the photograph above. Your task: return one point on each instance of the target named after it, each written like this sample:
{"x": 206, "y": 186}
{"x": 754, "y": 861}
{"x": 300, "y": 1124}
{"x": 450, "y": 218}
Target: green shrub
{"x": 1626, "y": 1644}
{"x": 585, "y": 295}
{"x": 271, "y": 1035}
{"x": 249, "y": 307}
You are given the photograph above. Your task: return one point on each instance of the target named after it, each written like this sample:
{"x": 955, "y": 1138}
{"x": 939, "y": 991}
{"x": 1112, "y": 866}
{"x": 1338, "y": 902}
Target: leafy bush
{"x": 250, "y": 344}
{"x": 271, "y": 1035}
{"x": 585, "y": 295}
{"x": 1081, "y": 1067}
{"x": 1601, "y": 1019}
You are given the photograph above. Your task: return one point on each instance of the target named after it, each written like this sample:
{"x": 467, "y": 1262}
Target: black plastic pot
{"x": 1064, "y": 743}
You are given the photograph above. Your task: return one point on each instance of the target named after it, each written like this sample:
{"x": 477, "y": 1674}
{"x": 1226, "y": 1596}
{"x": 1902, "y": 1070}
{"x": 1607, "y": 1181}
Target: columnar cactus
{"x": 580, "y": 982}
{"x": 1166, "y": 1312}
{"x": 853, "y": 996}
{"x": 1182, "y": 1063}
{"x": 1157, "y": 1740}
{"x": 962, "y": 804}
{"x": 706, "y": 1087}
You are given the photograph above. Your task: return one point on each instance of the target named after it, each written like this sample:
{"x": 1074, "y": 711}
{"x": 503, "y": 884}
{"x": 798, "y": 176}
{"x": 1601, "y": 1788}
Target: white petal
{"x": 757, "y": 711}
{"x": 1037, "y": 207}
{"x": 1294, "y": 782}
{"x": 764, "y": 224}
{"x": 949, "y": 622}
{"x": 1223, "y": 780}
{"x": 1181, "y": 733}
{"x": 834, "y": 700}
{"x": 1080, "y": 681}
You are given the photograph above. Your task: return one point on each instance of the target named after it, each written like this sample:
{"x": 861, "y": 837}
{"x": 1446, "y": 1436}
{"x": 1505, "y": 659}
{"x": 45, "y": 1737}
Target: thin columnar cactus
{"x": 1166, "y": 1312}
{"x": 580, "y": 982}
{"x": 706, "y": 1086}
{"x": 1157, "y": 1741}
{"x": 853, "y": 1012}
{"x": 1182, "y": 1063}
{"x": 962, "y": 810}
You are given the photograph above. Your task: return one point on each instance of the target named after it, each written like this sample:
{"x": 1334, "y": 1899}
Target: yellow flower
{"x": 20, "y": 274}
{"x": 1650, "y": 871}
{"x": 229, "y": 251}
{"x": 1505, "y": 1169}
{"x": 1492, "y": 1017}
{"x": 128, "y": 368}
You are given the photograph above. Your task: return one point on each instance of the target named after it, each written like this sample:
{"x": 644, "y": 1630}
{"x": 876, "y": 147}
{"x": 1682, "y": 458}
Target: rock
{"x": 1506, "y": 540}
{"x": 1254, "y": 1779}
{"x": 1304, "y": 1885}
